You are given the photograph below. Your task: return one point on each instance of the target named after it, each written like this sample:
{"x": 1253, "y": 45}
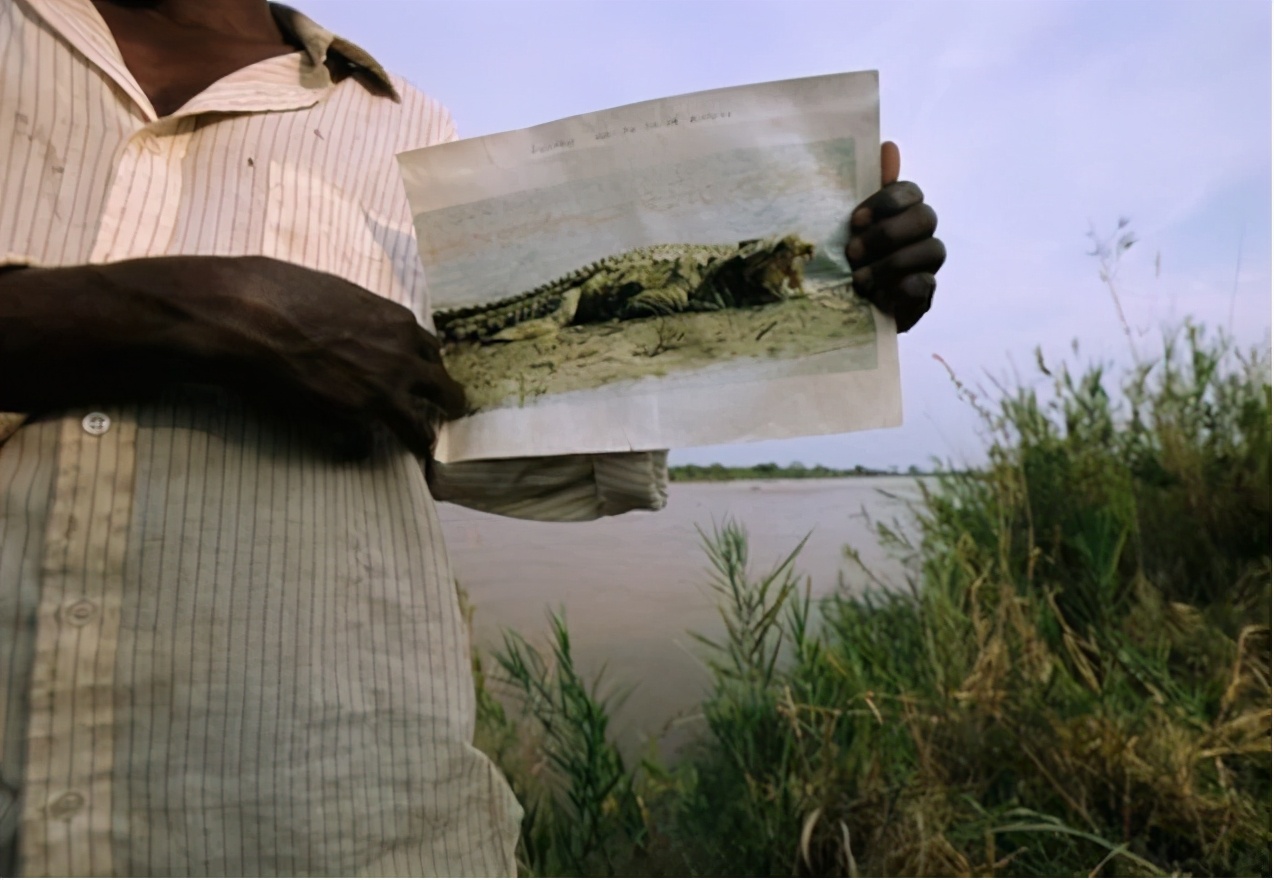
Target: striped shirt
{"x": 224, "y": 653}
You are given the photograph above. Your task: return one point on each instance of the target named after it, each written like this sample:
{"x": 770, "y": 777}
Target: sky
{"x": 1027, "y": 124}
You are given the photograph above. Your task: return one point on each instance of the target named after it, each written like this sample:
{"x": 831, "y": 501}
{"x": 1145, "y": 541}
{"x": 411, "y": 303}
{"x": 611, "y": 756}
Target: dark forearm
{"x": 116, "y": 331}
{"x": 307, "y": 343}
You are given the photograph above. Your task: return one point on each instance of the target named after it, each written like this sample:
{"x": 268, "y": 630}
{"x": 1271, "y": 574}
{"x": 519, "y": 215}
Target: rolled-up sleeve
{"x": 569, "y": 488}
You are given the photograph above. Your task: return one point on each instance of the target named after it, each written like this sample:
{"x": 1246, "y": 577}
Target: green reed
{"x": 1074, "y": 681}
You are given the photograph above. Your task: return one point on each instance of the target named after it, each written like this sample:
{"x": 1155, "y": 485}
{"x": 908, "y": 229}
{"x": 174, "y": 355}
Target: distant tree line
{"x": 689, "y": 473}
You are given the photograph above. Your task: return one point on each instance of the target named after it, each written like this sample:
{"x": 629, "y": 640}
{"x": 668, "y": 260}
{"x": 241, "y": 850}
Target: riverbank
{"x": 1075, "y": 683}
{"x": 716, "y": 473}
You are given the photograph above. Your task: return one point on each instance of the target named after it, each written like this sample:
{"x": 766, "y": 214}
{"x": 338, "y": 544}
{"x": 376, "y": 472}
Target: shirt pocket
{"x": 312, "y": 223}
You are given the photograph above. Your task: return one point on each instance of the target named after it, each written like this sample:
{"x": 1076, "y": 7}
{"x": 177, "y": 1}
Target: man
{"x": 229, "y": 638}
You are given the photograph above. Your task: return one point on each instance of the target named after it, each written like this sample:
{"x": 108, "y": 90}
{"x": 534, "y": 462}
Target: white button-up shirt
{"x": 222, "y": 651}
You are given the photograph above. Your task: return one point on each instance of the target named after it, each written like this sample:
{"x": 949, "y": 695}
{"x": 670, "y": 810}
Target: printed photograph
{"x": 661, "y": 275}
{"x": 738, "y": 306}
{"x": 651, "y": 312}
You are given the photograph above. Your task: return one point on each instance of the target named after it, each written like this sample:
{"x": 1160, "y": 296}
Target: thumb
{"x": 890, "y": 163}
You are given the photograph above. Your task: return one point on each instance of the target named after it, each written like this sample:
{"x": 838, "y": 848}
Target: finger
{"x": 434, "y": 385}
{"x": 412, "y": 422}
{"x": 922, "y": 257}
{"x": 427, "y": 345}
{"x": 908, "y": 300}
{"x": 892, "y": 199}
{"x": 882, "y": 238}
{"x": 916, "y": 299}
{"x": 890, "y": 163}
{"x": 430, "y": 398}
{"x": 880, "y": 282}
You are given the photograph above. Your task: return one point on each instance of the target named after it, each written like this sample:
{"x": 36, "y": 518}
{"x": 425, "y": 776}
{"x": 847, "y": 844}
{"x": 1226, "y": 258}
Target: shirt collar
{"x": 286, "y": 82}
{"x": 320, "y": 45}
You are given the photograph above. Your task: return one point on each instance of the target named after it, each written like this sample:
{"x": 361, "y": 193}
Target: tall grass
{"x": 1076, "y": 681}
{"x": 583, "y": 815}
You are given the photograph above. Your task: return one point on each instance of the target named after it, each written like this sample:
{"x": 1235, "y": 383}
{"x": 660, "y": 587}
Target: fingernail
{"x": 855, "y": 250}
{"x": 861, "y": 217}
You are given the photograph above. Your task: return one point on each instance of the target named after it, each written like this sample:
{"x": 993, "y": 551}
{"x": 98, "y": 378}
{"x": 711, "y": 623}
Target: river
{"x": 633, "y": 586}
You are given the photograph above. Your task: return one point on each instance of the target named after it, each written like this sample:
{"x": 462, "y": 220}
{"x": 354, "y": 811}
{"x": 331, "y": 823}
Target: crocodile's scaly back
{"x": 659, "y": 279}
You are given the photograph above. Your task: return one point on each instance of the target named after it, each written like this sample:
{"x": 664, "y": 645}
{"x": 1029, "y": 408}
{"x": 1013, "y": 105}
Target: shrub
{"x": 1076, "y": 681}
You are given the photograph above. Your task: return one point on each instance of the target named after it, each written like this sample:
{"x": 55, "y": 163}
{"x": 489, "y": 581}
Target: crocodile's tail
{"x": 483, "y": 320}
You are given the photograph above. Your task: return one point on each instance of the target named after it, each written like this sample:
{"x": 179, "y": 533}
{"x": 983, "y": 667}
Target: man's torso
{"x": 222, "y": 652}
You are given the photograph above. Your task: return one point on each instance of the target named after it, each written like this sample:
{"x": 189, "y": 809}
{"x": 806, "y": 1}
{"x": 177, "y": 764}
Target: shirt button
{"x": 81, "y": 613}
{"x": 67, "y": 805}
{"x": 96, "y": 423}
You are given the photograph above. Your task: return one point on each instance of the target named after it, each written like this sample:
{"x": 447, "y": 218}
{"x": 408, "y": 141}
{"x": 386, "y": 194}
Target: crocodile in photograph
{"x": 653, "y": 281}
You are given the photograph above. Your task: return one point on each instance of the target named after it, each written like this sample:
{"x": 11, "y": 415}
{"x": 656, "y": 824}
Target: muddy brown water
{"x": 632, "y": 587}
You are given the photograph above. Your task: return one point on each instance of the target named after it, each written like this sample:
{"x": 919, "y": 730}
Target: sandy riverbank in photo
{"x": 578, "y": 358}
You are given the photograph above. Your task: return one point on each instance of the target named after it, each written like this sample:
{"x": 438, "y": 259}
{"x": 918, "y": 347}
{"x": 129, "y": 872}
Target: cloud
{"x": 1023, "y": 122}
